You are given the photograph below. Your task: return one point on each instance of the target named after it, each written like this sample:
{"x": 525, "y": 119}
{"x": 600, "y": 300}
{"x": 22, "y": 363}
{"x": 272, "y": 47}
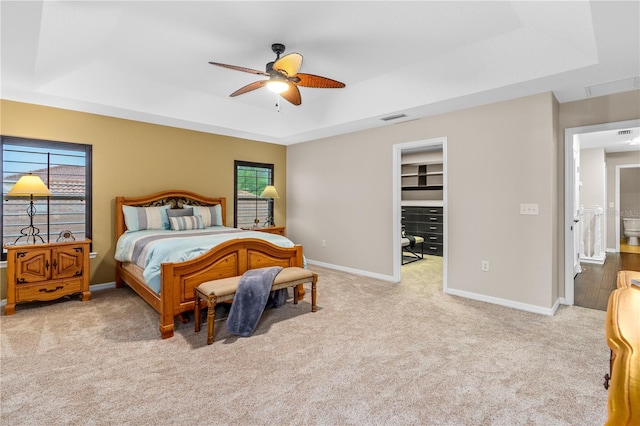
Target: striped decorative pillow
{"x": 184, "y": 223}
{"x": 140, "y": 218}
{"x": 211, "y": 215}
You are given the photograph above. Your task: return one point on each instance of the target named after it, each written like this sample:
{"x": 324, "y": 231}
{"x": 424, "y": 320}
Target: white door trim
{"x": 397, "y": 198}
{"x": 569, "y": 133}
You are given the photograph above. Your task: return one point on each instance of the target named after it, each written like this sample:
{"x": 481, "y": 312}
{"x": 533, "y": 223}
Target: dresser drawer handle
{"x": 433, "y": 238}
{"x": 433, "y": 218}
{"x": 433, "y": 211}
{"x": 433, "y": 248}
{"x": 44, "y": 290}
{"x": 432, "y": 228}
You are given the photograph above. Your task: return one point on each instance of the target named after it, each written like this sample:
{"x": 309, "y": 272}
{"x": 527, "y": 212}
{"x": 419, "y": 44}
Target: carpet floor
{"x": 375, "y": 353}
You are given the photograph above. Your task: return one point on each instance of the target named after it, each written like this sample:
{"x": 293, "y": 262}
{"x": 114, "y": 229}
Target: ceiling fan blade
{"x": 243, "y": 69}
{"x": 292, "y": 94}
{"x": 288, "y": 64}
{"x": 249, "y": 87}
{"x": 310, "y": 80}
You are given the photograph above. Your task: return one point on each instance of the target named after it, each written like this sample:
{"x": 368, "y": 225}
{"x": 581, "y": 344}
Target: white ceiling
{"x": 619, "y": 140}
{"x": 148, "y": 60}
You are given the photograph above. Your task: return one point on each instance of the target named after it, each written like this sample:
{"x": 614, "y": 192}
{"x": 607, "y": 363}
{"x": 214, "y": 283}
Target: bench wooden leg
{"x": 211, "y": 317}
{"x": 196, "y": 310}
{"x": 313, "y": 293}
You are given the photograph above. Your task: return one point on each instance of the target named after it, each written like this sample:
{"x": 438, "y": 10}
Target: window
{"x": 250, "y": 181}
{"x": 66, "y": 169}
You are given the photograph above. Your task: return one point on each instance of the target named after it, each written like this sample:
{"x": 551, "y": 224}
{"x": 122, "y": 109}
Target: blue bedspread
{"x": 148, "y": 249}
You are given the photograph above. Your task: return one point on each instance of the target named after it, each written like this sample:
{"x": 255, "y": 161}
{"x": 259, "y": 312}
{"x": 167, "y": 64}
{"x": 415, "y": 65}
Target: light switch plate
{"x": 530, "y": 209}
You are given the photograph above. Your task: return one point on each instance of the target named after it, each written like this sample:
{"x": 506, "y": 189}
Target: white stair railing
{"x": 590, "y": 227}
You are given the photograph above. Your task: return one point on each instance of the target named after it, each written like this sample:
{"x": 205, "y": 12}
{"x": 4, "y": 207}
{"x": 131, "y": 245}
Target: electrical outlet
{"x": 324, "y": 243}
{"x": 485, "y": 265}
{"x": 531, "y": 209}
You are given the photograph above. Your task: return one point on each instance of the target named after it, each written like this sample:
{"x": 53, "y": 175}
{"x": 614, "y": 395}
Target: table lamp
{"x": 32, "y": 186}
{"x": 270, "y": 192}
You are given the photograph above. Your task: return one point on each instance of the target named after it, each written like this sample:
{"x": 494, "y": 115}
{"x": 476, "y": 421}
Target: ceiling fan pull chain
{"x": 277, "y": 102}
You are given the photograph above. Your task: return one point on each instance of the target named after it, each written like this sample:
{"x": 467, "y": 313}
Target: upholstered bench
{"x": 222, "y": 290}
{"x": 407, "y": 247}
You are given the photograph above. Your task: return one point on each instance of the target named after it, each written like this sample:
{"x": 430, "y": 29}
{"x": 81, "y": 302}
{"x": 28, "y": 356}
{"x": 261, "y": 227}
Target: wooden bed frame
{"x": 232, "y": 258}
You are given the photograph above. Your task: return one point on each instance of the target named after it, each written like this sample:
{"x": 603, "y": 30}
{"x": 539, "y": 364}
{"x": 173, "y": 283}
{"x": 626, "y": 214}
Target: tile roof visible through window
{"x": 66, "y": 179}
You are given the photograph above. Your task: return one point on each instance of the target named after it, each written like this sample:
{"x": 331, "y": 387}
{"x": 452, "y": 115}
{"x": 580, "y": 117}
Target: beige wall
{"x": 132, "y": 158}
{"x": 592, "y": 176}
{"x": 592, "y": 193}
{"x": 499, "y": 156}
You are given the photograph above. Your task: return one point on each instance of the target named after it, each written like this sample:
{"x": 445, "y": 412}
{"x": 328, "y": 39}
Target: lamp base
{"x": 31, "y": 234}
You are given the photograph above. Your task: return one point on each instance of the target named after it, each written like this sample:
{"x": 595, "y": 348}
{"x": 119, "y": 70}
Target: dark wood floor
{"x": 595, "y": 283}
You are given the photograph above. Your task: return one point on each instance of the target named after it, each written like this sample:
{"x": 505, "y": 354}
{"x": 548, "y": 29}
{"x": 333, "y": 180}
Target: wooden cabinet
{"x": 425, "y": 222}
{"x": 271, "y": 229}
{"x": 46, "y": 272}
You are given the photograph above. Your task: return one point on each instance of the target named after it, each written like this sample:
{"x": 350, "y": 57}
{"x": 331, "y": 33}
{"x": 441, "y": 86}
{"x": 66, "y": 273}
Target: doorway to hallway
{"x": 590, "y": 276}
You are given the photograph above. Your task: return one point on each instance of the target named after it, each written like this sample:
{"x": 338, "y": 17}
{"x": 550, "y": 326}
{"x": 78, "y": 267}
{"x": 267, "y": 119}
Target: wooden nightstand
{"x": 46, "y": 272}
{"x": 270, "y": 229}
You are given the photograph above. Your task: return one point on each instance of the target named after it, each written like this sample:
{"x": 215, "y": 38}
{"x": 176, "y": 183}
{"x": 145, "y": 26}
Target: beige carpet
{"x": 374, "y": 353}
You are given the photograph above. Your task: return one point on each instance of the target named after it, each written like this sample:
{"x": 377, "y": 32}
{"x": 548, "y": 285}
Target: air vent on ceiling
{"x": 611, "y": 87}
{"x": 624, "y": 132}
{"x": 393, "y": 117}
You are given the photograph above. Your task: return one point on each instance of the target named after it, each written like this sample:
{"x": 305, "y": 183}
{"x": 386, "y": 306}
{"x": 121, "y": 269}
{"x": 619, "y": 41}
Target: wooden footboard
{"x": 229, "y": 259}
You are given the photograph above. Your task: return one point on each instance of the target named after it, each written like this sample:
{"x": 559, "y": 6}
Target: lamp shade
{"x": 269, "y": 192}
{"x": 29, "y": 185}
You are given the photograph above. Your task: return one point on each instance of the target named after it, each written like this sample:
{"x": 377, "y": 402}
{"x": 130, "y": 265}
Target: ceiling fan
{"x": 284, "y": 78}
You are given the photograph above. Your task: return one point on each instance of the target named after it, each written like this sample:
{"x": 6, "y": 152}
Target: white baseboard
{"x": 504, "y": 302}
{"x": 104, "y": 286}
{"x": 352, "y": 271}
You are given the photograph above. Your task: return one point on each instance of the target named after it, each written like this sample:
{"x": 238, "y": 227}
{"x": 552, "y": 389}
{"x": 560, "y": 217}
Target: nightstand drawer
{"x": 49, "y": 291}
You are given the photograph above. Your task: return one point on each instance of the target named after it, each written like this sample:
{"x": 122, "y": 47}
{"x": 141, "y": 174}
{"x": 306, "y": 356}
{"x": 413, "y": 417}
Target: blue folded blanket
{"x": 251, "y": 298}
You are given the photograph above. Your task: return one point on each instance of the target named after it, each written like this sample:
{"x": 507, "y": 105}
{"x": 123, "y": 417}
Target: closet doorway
{"x": 419, "y": 192}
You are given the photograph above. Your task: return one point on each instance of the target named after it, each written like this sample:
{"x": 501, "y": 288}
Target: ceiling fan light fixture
{"x": 277, "y": 86}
